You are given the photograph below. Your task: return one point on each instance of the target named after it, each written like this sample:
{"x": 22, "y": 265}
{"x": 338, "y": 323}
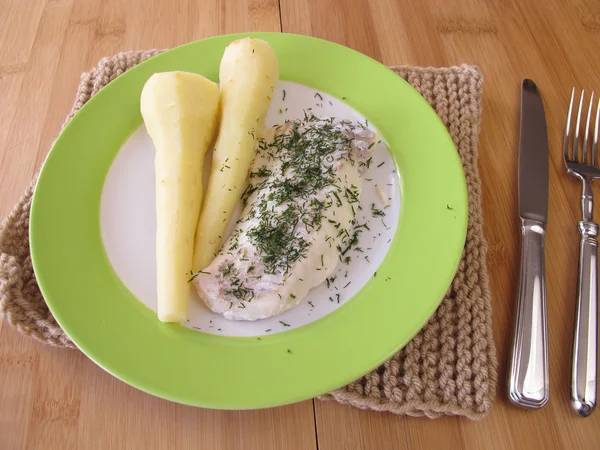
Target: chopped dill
{"x": 282, "y": 201}
{"x": 194, "y": 275}
{"x": 376, "y": 212}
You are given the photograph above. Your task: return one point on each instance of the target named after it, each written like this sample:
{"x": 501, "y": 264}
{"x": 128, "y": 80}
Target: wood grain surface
{"x": 58, "y": 399}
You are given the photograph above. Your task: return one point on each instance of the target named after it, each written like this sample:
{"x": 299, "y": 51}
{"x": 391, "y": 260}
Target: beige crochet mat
{"x": 450, "y": 365}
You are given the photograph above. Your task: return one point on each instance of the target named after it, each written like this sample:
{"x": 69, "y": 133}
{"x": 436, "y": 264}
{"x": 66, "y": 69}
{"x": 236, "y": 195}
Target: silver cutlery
{"x": 583, "y": 164}
{"x": 528, "y": 384}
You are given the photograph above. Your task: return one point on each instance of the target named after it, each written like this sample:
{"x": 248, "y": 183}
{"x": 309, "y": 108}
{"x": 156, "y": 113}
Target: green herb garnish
{"x": 376, "y": 212}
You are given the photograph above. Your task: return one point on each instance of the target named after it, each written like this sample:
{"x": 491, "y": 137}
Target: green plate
{"x": 108, "y": 323}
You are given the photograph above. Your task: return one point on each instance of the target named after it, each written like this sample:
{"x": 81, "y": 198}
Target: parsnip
{"x": 248, "y": 75}
{"x": 180, "y": 111}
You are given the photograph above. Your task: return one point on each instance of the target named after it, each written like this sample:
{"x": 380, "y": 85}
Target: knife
{"x": 528, "y": 384}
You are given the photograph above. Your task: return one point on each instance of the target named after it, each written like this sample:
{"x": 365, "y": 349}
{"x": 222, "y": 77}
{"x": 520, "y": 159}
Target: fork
{"x": 584, "y": 165}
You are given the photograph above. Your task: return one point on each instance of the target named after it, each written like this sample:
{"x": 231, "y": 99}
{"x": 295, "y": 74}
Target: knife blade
{"x": 533, "y": 155}
{"x": 528, "y": 384}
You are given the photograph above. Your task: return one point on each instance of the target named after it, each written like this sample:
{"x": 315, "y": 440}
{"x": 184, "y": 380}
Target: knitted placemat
{"x": 448, "y": 368}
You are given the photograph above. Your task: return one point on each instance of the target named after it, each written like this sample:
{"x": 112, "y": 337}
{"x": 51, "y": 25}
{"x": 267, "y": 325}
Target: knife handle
{"x": 585, "y": 358}
{"x": 528, "y": 365}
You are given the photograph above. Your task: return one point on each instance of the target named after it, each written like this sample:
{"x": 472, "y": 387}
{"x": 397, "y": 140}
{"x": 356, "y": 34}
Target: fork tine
{"x": 577, "y": 126}
{"x": 595, "y": 142}
{"x": 587, "y": 132}
{"x": 568, "y": 128}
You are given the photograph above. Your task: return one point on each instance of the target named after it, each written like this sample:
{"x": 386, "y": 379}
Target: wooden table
{"x": 52, "y": 398}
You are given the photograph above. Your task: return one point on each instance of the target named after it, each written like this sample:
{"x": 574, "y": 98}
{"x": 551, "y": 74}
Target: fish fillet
{"x": 297, "y": 221}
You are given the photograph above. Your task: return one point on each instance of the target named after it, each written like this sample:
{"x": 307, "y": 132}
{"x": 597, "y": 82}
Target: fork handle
{"x": 585, "y": 362}
{"x": 528, "y": 364}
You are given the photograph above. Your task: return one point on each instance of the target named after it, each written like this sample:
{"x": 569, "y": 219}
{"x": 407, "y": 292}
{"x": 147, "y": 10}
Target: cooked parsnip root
{"x": 180, "y": 111}
{"x": 248, "y": 75}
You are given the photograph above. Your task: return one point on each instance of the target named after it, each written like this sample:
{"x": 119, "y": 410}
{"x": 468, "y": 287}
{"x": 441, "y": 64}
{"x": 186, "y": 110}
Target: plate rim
{"x": 460, "y": 205}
